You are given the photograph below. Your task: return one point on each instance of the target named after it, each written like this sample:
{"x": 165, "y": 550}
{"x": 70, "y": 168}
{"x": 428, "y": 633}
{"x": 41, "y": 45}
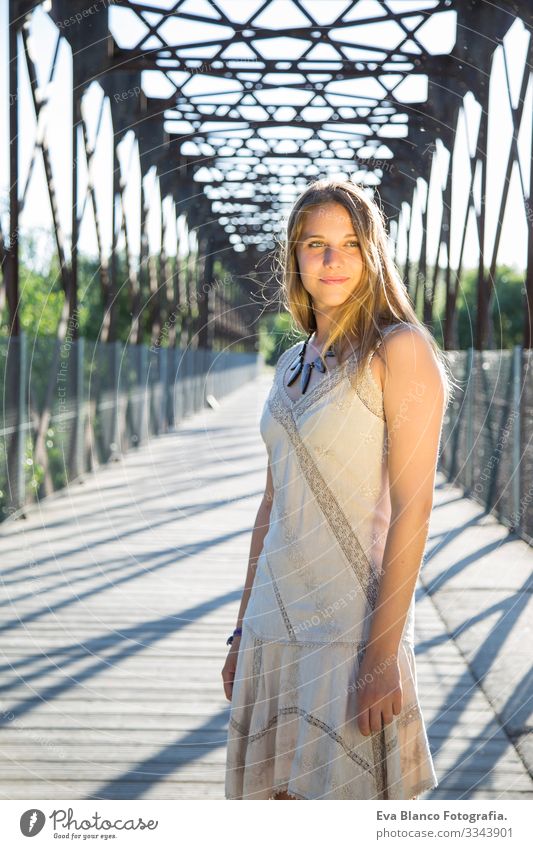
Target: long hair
{"x": 380, "y": 298}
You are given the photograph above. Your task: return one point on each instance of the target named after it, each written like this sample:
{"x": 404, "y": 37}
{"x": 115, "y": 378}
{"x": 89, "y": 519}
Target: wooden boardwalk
{"x": 117, "y": 595}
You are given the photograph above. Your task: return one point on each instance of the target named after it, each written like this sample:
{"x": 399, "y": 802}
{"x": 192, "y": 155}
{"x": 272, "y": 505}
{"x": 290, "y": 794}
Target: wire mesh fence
{"x": 71, "y": 407}
{"x": 486, "y": 441}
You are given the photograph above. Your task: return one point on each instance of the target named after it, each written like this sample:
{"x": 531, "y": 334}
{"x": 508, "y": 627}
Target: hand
{"x": 379, "y": 691}
{"x": 228, "y": 670}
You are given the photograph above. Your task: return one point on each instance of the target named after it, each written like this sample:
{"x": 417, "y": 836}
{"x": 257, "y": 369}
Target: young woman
{"x": 321, "y": 671}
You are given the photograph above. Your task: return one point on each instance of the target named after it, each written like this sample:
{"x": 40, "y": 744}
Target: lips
{"x": 332, "y": 280}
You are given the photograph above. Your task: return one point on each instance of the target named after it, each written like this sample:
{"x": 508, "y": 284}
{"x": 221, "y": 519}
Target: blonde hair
{"x": 381, "y": 298}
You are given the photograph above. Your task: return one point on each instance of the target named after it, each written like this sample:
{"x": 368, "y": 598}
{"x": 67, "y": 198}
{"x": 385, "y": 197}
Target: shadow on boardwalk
{"x": 118, "y": 594}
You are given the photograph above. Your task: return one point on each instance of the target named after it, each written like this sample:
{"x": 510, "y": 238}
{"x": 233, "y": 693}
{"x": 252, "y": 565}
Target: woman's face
{"x": 329, "y": 257}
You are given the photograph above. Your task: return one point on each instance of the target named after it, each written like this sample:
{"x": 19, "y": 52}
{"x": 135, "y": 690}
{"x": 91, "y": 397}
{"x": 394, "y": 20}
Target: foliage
{"x": 42, "y": 296}
{"x": 42, "y": 300}
{"x": 276, "y": 335}
{"x": 507, "y": 309}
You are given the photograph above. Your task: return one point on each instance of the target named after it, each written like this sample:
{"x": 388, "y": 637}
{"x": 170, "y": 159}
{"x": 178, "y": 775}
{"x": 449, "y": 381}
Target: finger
{"x": 397, "y": 702}
{"x": 228, "y": 681}
{"x": 363, "y": 722}
{"x": 375, "y": 719}
{"x": 387, "y": 716}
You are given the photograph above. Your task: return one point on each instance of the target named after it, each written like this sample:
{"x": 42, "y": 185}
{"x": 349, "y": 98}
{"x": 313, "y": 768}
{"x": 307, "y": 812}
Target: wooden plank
{"x": 116, "y": 601}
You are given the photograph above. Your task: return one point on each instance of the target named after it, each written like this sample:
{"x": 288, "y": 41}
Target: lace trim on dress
{"x": 380, "y": 764}
{"x": 256, "y": 666}
{"x": 326, "y": 384}
{"x": 366, "y": 386}
{"x": 380, "y": 747}
{"x": 313, "y": 720}
{"x": 285, "y": 615}
{"x": 368, "y": 391}
{"x": 409, "y": 714}
{"x": 360, "y": 646}
{"x": 339, "y": 524}
{"x": 237, "y": 726}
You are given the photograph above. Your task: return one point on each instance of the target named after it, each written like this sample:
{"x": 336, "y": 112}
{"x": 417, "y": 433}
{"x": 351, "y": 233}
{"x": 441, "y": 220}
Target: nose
{"x": 333, "y": 257}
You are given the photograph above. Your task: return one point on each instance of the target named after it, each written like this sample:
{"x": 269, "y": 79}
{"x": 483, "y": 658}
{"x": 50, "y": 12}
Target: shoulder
{"x": 406, "y": 342}
{"x": 401, "y": 335}
{"x": 404, "y": 349}
{"x": 409, "y": 363}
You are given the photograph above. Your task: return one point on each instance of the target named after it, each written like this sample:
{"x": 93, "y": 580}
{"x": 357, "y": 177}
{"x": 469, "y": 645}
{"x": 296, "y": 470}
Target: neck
{"x": 318, "y": 344}
{"x": 323, "y": 326}
{"x": 318, "y": 341}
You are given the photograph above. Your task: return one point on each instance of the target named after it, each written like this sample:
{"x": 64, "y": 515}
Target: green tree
{"x": 507, "y": 308}
{"x": 277, "y": 333}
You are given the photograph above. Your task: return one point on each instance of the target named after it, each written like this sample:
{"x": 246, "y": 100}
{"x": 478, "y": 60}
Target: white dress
{"x": 293, "y": 712}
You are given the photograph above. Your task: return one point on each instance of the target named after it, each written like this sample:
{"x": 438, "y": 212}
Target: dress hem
{"x": 423, "y": 788}
{"x": 284, "y": 788}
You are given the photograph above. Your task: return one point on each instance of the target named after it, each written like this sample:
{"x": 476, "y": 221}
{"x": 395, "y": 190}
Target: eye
{"x": 318, "y": 242}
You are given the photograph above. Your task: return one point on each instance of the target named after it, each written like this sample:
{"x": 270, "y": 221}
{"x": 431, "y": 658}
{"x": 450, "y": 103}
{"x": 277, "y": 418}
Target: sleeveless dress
{"x": 292, "y": 722}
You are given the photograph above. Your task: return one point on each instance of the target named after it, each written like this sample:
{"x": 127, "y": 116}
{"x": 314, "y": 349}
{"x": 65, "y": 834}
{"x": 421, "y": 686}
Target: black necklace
{"x": 303, "y": 368}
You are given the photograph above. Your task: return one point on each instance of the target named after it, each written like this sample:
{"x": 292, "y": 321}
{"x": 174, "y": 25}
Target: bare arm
{"x": 413, "y": 399}
{"x": 261, "y": 525}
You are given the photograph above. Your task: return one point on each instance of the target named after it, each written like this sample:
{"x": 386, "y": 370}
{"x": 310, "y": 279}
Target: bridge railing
{"x": 487, "y": 446}
{"x": 67, "y": 409}
{"x": 70, "y": 407}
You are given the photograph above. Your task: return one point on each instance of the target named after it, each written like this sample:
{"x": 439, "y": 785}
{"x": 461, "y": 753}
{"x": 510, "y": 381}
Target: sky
{"x": 438, "y": 37}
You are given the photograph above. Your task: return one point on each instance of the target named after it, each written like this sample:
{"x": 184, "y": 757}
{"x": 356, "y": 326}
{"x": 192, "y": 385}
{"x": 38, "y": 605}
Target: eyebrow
{"x": 320, "y": 236}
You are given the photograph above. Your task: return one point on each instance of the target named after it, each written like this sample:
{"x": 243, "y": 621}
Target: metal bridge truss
{"x": 214, "y": 114}
{"x": 251, "y": 110}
